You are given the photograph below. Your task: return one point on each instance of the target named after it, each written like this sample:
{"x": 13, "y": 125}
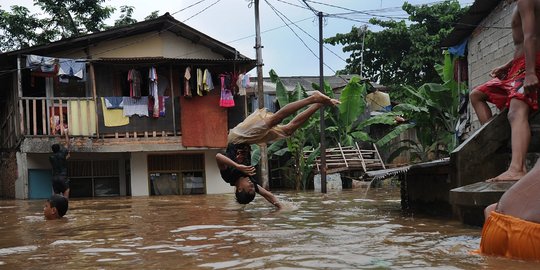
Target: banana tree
{"x": 430, "y": 111}
{"x": 297, "y": 166}
{"x": 342, "y": 124}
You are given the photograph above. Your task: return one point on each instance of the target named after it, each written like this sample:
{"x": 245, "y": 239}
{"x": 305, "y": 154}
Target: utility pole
{"x": 260, "y": 96}
{"x": 321, "y": 110}
{"x": 364, "y": 30}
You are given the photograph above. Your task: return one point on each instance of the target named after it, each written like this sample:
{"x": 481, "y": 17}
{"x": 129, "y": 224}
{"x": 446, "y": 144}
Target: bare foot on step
{"x": 507, "y": 176}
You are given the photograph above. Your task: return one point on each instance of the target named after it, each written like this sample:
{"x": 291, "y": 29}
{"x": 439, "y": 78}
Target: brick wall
{"x": 490, "y": 45}
{"x": 8, "y": 175}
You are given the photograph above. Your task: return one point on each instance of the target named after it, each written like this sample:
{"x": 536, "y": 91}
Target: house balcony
{"x": 90, "y": 131}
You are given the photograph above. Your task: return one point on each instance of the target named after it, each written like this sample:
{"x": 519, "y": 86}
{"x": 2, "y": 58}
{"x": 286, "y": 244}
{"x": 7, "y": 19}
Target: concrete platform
{"x": 469, "y": 201}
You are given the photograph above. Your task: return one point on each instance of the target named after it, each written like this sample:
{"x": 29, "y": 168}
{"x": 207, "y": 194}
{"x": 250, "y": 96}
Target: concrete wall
{"x": 214, "y": 183}
{"x": 490, "y": 45}
{"x": 145, "y": 45}
{"x": 21, "y": 184}
{"x": 175, "y": 47}
{"x": 41, "y": 161}
{"x": 139, "y": 174}
{"x": 138, "y": 170}
{"x": 155, "y": 44}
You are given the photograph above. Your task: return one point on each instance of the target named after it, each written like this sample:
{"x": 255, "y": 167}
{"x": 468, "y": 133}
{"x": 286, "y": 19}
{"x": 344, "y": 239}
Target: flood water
{"x": 351, "y": 229}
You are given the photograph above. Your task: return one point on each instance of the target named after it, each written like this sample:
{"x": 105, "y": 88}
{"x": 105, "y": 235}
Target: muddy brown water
{"x": 340, "y": 230}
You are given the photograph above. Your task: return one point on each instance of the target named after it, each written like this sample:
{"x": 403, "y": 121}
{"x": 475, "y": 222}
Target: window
{"x": 94, "y": 178}
{"x": 176, "y": 174}
{"x": 193, "y": 183}
{"x": 164, "y": 184}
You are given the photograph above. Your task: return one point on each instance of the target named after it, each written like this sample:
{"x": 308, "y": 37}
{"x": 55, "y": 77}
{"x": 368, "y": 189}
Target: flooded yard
{"x": 342, "y": 230}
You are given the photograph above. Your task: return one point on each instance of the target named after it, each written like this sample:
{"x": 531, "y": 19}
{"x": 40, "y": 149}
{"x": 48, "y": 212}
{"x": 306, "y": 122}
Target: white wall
{"x": 214, "y": 183}
{"x": 139, "y": 174}
{"x": 21, "y": 184}
{"x": 38, "y": 161}
{"x": 178, "y": 47}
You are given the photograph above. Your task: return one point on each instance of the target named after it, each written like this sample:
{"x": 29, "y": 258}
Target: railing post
{"x": 94, "y": 95}
{"x": 19, "y": 96}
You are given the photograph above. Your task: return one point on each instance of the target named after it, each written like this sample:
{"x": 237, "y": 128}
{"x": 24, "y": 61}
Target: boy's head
{"x": 55, "y": 148}
{"x": 55, "y": 207}
{"x": 245, "y": 190}
{"x": 239, "y": 153}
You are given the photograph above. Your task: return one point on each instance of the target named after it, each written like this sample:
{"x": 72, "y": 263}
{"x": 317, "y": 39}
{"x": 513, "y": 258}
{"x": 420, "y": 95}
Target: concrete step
{"x": 469, "y": 201}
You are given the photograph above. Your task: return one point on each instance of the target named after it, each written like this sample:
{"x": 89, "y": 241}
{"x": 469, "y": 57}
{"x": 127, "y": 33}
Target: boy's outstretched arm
{"x": 270, "y": 197}
{"x": 223, "y": 162}
{"x": 65, "y": 130}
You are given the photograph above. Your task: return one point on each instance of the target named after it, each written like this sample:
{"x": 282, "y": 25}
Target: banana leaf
{"x": 352, "y": 102}
{"x": 394, "y": 133}
{"x": 281, "y": 91}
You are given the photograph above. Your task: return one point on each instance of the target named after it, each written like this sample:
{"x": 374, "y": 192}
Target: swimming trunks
{"x": 501, "y": 92}
{"x": 508, "y": 236}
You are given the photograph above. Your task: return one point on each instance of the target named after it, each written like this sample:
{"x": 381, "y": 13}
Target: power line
{"x": 203, "y": 10}
{"x": 188, "y": 7}
{"x": 301, "y": 40}
{"x": 299, "y": 6}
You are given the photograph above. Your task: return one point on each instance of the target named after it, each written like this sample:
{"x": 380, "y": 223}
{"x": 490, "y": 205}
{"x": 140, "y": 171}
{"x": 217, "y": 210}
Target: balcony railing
{"x": 83, "y": 116}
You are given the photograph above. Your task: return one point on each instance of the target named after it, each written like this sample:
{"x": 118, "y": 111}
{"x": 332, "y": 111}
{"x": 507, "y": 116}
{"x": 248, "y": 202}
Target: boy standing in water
{"x": 261, "y": 127}
{"x": 512, "y": 226}
{"x": 58, "y": 162}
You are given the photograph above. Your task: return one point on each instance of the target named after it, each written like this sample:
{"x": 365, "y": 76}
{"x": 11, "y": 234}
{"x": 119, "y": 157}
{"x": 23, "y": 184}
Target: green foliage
{"x": 432, "y": 111}
{"x": 152, "y": 15}
{"x": 20, "y": 29}
{"x": 296, "y": 167}
{"x": 126, "y": 16}
{"x": 342, "y": 127}
{"x": 73, "y": 17}
{"x": 62, "y": 19}
{"x": 401, "y": 53}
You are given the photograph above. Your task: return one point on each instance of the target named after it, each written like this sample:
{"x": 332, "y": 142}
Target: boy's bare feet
{"x": 507, "y": 176}
{"x": 335, "y": 102}
{"x": 324, "y": 99}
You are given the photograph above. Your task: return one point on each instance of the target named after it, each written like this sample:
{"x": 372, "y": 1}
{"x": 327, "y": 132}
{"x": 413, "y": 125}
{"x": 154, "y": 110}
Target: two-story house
{"x": 147, "y": 106}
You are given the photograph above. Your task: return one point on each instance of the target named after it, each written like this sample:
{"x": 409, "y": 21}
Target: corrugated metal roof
{"x": 337, "y": 82}
{"x": 470, "y": 20}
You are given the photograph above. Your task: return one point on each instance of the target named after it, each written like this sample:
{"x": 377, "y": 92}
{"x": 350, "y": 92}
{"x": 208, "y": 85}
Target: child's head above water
{"x": 55, "y": 207}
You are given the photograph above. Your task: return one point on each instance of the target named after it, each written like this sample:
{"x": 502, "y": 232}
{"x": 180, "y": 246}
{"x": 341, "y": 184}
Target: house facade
{"x": 138, "y": 102}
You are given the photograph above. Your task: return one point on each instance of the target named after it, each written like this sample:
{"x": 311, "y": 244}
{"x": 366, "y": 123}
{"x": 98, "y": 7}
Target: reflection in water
{"x": 344, "y": 230}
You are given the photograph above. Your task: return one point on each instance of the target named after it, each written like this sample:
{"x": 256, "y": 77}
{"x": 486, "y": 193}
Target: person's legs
{"x": 518, "y": 116}
{"x": 293, "y": 107}
{"x": 300, "y": 119}
{"x": 479, "y": 103}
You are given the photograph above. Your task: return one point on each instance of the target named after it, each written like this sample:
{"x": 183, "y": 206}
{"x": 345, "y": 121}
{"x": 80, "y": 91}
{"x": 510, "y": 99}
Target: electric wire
{"x": 368, "y": 12}
{"x": 203, "y": 10}
{"x": 4, "y": 72}
{"x": 279, "y": 14}
{"x": 194, "y": 4}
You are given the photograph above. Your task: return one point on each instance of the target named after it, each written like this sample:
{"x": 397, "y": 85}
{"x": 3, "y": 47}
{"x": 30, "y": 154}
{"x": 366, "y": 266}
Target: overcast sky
{"x": 290, "y": 50}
